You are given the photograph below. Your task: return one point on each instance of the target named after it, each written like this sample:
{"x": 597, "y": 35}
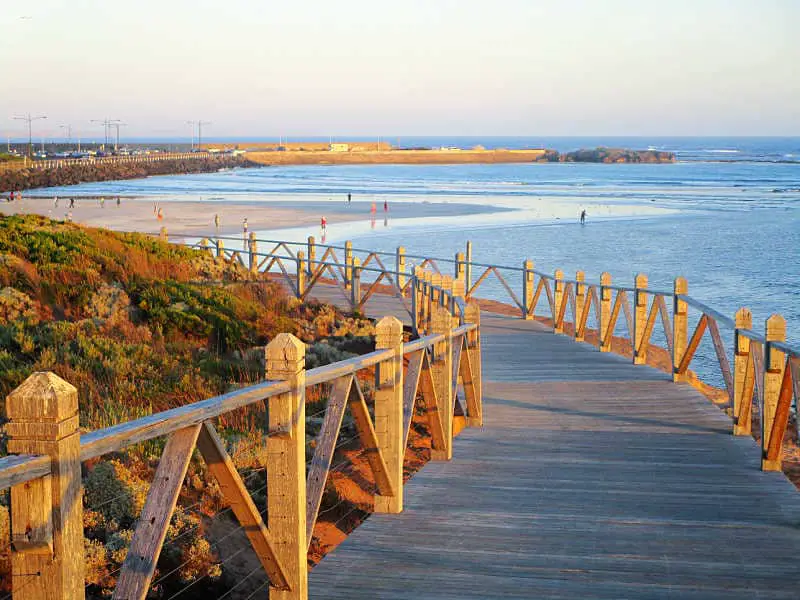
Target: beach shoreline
{"x": 196, "y": 218}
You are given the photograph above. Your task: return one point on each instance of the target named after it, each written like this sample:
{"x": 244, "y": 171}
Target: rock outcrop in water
{"x": 609, "y": 155}
{"x": 26, "y": 179}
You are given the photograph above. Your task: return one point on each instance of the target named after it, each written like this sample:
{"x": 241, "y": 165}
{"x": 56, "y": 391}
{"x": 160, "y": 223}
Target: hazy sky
{"x": 405, "y": 67}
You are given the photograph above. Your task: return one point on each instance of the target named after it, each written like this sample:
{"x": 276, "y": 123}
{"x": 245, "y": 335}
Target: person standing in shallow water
{"x": 349, "y": 197}
{"x": 583, "y": 217}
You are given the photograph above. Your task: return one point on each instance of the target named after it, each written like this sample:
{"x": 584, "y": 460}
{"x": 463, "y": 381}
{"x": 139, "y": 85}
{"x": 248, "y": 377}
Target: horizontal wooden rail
{"x": 443, "y": 373}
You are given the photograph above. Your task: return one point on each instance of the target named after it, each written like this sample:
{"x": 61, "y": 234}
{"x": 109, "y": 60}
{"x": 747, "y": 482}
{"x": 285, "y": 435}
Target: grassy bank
{"x": 140, "y": 326}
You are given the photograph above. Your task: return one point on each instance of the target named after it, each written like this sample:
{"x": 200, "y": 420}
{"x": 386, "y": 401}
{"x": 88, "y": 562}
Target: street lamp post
{"x": 29, "y": 119}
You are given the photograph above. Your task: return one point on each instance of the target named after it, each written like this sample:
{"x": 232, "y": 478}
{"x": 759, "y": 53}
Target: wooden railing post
{"x": 468, "y": 267}
{"x": 301, "y": 273}
{"x": 580, "y": 303}
{"x": 442, "y": 372}
{"x": 348, "y": 264}
{"x": 312, "y": 254}
{"x": 447, "y": 294}
{"x": 286, "y": 455}
{"x": 460, "y": 273}
{"x": 680, "y": 327}
{"x": 355, "y": 287}
{"x": 604, "y": 339}
{"x": 774, "y": 363}
{"x": 416, "y": 300}
{"x": 220, "y": 249}
{"x": 458, "y": 294}
{"x": 558, "y": 298}
{"x": 472, "y": 314}
{"x": 204, "y": 245}
{"x": 389, "y": 410}
{"x": 743, "y": 378}
{"x": 527, "y": 290}
{"x": 639, "y": 319}
{"x": 400, "y": 267}
{"x": 436, "y": 289}
{"x": 162, "y": 235}
{"x": 253, "y": 252}
{"x": 46, "y": 513}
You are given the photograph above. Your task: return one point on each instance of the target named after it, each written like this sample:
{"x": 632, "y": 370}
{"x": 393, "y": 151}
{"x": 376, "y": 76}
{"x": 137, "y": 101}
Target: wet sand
{"x": 196, "y": 218}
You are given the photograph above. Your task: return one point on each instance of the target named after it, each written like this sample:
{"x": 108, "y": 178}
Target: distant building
{"x": 339, "y": 147}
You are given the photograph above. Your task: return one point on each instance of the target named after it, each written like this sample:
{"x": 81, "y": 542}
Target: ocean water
{"x": 726, "y": 216}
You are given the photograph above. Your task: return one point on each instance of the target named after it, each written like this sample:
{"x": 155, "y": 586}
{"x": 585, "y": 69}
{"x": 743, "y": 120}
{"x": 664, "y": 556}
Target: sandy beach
{"x": 188, "y": 218}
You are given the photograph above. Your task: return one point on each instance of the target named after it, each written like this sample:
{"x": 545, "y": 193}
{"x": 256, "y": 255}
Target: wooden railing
{"x": 764, "y": 380}
{"x": 442, "y": 381}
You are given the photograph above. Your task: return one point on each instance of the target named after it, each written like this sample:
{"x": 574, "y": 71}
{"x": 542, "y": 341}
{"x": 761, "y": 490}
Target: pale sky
{"x": 404, "y": 67}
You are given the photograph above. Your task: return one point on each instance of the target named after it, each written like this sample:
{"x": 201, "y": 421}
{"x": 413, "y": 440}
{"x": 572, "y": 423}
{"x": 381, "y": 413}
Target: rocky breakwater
{"x": 84, "y": 172}
{"x": 609, "y": 155}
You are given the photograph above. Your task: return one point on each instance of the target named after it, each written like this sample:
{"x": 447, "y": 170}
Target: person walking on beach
{"x": 244, "y": 226}
{"x": 323, "y": 223}
{"x": 216, "y": 220}
{"x": 55, "y": 202}
{"x": 385, "y": 206}
{"x": 583, "y": 217}
{"x": 118, "y": 201}
{"x": 372, "y": 208}
{"x": 72, "y": 202}
{"x": 160, "y": 215}
{"x": 349, "y": 197}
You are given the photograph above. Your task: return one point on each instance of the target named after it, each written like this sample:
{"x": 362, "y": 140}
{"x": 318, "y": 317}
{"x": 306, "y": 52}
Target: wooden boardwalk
{"x": 591, "y": 478}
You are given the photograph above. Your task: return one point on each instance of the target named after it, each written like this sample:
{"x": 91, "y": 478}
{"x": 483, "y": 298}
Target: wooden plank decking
{"x": 591, "y": 478}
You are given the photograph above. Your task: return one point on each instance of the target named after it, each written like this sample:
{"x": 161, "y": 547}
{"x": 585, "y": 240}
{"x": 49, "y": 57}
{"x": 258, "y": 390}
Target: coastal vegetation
{"x": 140, "y": 326}
{"x": 84, "y": 172}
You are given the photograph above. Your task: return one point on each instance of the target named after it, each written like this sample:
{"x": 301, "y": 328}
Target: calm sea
{"x": 726, "y": 216}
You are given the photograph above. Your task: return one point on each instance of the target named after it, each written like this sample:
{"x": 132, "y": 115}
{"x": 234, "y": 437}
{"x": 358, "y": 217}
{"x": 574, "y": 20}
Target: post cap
{"x": 388, "y": 332}
{"x": 43, "y": 396}
{"x": 285, "y": 356}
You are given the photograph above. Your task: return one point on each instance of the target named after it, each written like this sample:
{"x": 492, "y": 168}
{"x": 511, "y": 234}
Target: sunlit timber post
{"x": 446, "y": 298}
{"x": 355, "y": 290}
{"x": 458, "y": 269}
{"x": 743, "y": 375}
{"x": 389, "y": 410}
{"x": 774, "y": 364}
{"x": 286, "y": 457}
{"x": 458, "y": 296}
{"x": 580, "y": 304}
{"x": 468, "y": 268}
{"x": 348, "y": 264}
{"x": 472, "y": 314}
{"x": 253, "y": 252}
{"x": 680, "y": 327}
{"x": 400, "y": 267}
{"x": 220, "y": 249}
{"x": 603, "y": 335}
{"x": 204, "y": 245}
{"x": 527, "y": 290}
{"x": 46, "y": 513}
{"x": 301, "y": 274}
{"x": 312, "y": 254}
{"x": 639, "y": 319}
{"x": 436, "y": 290}
{"x": 558, "y": 298}
{"x": 442, "y": 371}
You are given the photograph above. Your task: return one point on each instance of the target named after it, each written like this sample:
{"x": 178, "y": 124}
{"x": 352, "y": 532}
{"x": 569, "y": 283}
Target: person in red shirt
{"x": 323, "y": 222}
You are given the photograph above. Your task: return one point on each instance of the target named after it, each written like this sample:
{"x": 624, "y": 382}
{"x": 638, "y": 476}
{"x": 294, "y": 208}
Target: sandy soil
{"x": 196, "y": 218}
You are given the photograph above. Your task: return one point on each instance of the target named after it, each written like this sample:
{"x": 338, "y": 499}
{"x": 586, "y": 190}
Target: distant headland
{"x": 301, "y": 153}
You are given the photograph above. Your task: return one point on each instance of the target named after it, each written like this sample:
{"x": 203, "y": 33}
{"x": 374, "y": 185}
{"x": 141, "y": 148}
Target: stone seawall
{"x": 26, "y": 179}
